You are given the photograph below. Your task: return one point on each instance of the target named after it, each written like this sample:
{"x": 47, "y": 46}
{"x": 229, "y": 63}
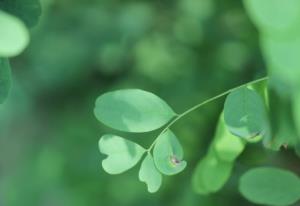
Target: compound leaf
{"x": 132, "y": 110}
{"x": 121, "y": 154}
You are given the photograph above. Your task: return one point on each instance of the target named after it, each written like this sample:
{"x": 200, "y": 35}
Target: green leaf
{"x": 270, "y": 186}
{"x": 132, "y": 110}
{"x": 14, "y": 36}
{"x": 168, "y": 154}
{"x": 5, "y": 79}
{"x": 296, "y": 111}
{"x": 245, "y": 113}
{"x": 28, "y": 11}
{"x": 283, "y": 62}
{"x": 211, "y": 174}
{"x": 226, "y": 145}
{"x": 149, "y": 174}
{"x": 273, "y": 16}
{"x": 121, "y": 154}
{"x": 284, "y": 132}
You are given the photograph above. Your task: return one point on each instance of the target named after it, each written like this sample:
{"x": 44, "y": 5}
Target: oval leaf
{"x": 149, "y": 174}
{"x": 14, "y": 36}
{"x": 226, "y": 145}
{"x": 132, "y": 110}
{"x": 211, "y": 174}
{"x": 245, "y": 113}
{"x": 121, "y": 154}
{"x": 4, "y": 79}
{"x": 270, "y": 186}
{"x": 168, "y": 154}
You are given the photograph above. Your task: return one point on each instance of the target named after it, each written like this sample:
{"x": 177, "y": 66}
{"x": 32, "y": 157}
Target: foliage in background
{"x": 184, "y": 51}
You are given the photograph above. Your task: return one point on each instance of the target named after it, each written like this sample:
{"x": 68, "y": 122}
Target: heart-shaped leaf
{"x": 4, "y": 79}
{"x": 245, "y": 113}
{"x": 149, "y": 174}
{"x": 270, "y": 186}
{"x": 122, "y": 154}
{"x": 14, "y": 36}
{"x": 168, "y": 154}
{"x": 132, "y": 110}
{"x": 226, "y": 145}
{"x": 211, "y": 174}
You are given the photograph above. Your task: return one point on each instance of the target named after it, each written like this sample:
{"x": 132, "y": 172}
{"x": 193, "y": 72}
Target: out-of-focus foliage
{"x": 185, "y": 51}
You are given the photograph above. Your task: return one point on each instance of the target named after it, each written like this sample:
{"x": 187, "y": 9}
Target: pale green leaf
{"x": 211, "y": 174}
{"x": 296, "y": 111}
{"x": 284, "y": 132}
{"x": 245, "y": 113}
{"x": 283, "y": 61}
{"x": 132, "y": 110}
{"x": 168, "y": 154}
{"x": 5, "y": 79}
{"x": 273, "y": 16}
{"x": 149, "y": 174}
{"x": 121, "y": 154}
{"x": 270, "y": 186}
{"x": 14, "y": 36}
{"x": 226, "y": 145}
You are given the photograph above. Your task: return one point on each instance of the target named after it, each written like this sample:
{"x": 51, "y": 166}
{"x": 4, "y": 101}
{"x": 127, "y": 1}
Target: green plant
{"x": 245, "y": 120}
{"x": 15, "y": 17}
{"x": 248, "y": 110}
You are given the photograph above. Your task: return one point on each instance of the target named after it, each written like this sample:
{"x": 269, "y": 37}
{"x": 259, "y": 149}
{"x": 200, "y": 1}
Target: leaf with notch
{"x": 121, "y": 154}
{"x": 149, "y": 174}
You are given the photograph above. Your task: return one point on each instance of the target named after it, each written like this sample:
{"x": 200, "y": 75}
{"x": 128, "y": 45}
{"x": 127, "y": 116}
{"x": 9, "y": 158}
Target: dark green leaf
{"x": 27, "y": 10}
{"x": 121, "y": 154}
{"x": 168, "y": 154}
{"x": 5, "y": 79}
{"x": 132, "y": 110}
{"x": 270, "y": 186}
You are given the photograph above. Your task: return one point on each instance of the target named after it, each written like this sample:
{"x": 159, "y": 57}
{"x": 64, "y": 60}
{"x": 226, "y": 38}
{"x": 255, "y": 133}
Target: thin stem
{"x": 178, "y": 117}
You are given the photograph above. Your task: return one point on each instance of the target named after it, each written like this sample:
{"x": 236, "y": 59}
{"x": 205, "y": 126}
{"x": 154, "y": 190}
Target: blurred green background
{"x": 185, "y": 51}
